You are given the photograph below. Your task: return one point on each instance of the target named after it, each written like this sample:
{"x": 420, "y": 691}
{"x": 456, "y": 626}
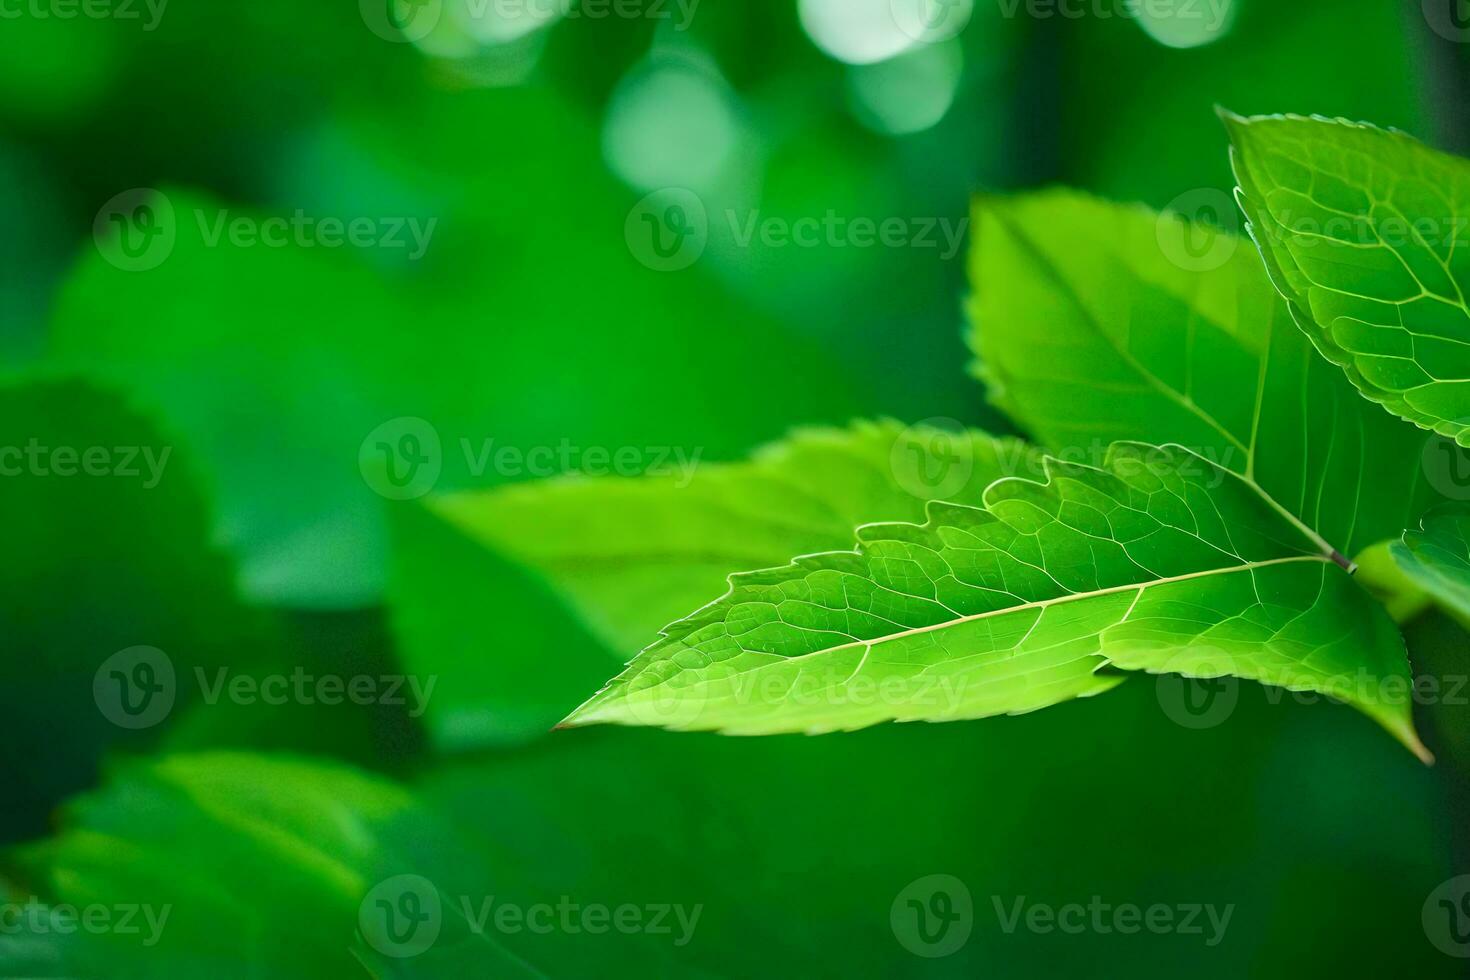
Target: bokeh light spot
{"x": 859, "y": 32}
{"x": 670, "y": 125}
{"x": 909, "y": 93}
{"x": 1186, "y": 23}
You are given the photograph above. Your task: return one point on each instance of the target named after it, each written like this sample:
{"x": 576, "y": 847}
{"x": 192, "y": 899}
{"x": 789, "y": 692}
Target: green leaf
{"x": 1381, "y": 576}
{"x": 609, "y": 544}
{"x": 245, "y": 865}
{"x": 570, "y": 822}
{"x": 581, "y": 572}
{"x": 107, "y": 549}
{"x": 1366, "y": 232}
{"x": 1097, "y": 322}
{"x": 1437, "y": 556}
{"x": 1160, "y": 561}
{"x": 312, "y": 338}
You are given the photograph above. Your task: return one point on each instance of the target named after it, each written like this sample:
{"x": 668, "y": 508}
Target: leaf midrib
{"x": 1139, "y": 587}
{"x": 1180, "y": 398}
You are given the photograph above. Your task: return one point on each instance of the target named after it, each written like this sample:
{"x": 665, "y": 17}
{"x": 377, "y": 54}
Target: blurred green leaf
{"x": 247, "y": 866}
{"x": 280, "y": 853}
{"x": 306, "y": 351}
{"x": 114, "y": 582}
{"x": 508, "y": 656}
{"x": 108, "y": 549}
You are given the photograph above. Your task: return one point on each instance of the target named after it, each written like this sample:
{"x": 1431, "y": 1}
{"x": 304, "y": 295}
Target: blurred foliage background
{"x": 527, "y": 138}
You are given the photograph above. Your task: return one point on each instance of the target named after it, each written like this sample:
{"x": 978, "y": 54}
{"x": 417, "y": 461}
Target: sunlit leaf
{"x": 1161, "y": 561}
{"x": 1367, "y": 234}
